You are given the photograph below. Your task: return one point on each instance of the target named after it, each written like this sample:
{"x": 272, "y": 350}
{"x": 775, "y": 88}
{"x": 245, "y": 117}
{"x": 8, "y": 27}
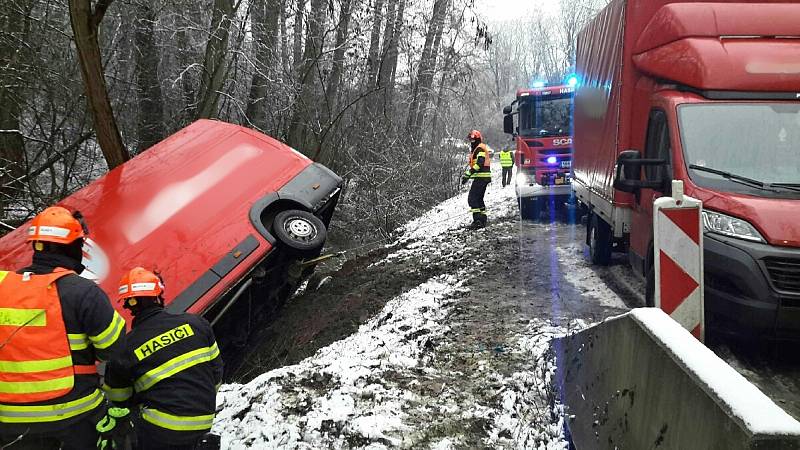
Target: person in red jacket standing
{"x": 480, "y": 172}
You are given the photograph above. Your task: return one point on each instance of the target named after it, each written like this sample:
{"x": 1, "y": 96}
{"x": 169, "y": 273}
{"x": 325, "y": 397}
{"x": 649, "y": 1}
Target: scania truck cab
{"x": 707, "y": 93}
{"x": 543, "y": 137}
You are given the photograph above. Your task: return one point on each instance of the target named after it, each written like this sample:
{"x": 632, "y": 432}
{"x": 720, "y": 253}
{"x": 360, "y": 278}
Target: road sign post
{"x": 678, "y": 251}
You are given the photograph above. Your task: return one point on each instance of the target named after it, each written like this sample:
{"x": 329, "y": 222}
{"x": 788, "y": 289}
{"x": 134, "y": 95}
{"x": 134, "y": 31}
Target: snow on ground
{"x": 454, "y": 212}
{"x": 343, "y": 396}
{"x": 398, "y": 381}
{"x": 579, "y": 273}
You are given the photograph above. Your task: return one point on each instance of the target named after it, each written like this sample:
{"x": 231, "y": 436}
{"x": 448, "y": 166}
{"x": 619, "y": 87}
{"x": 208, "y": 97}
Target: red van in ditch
{"x": 707, "y": 93}
{"x": 224, "y": 213}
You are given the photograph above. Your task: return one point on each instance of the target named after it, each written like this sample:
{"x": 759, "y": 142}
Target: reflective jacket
{"x": 506, "y": 159}
{"x": 170, "y": 371}
{"x": 91, "y": 331}
{"x": 480, "y": 162}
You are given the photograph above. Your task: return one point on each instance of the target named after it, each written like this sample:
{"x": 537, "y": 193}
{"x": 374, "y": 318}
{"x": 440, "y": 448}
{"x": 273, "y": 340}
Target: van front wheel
{"x": 300, "y": 232}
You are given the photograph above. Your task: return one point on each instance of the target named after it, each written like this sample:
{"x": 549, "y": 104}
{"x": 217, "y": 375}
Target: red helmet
{"x": 140, "y": 282}
{"x": 475, "y": 135}
{"x": 56, "y": 224}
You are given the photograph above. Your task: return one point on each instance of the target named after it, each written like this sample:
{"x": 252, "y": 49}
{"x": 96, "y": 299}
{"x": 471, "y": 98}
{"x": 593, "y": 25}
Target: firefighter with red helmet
{"x": 169, "y": 372}
{"x": 480, "y": 172}
{"x": 54, "y": 326}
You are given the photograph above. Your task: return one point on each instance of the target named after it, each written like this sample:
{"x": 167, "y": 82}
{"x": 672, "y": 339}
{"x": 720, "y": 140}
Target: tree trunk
{"x": 151, "y": 107}
{"x": 265, "y": 30}
{"x": 388, "y": 68}
{"x": 332, "y": 92}
{"x": 13, "y": 93}
{"x": 427, "y": 68}
{"x": 297, "y": 48}
{"x": 284, "y": 37}
{"x": 85, "y": 22}
{"x": 300, "y": 129}
{"x": 214, "y": 65}
{"x": 374, "y": 44}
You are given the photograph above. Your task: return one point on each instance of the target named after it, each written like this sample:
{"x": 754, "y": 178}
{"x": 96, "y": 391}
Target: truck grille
{"x": 784, "y": 273}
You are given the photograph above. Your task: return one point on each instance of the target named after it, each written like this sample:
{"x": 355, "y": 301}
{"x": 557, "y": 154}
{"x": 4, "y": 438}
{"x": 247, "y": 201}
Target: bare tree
{"x": 332, "y": 92}
{"x": 265, "y": 16}
{"x": 151, "y": 127}
{"x": 85, "y": 22}
{"x": 215, "y": 64}
{"x": 427, "y": 67}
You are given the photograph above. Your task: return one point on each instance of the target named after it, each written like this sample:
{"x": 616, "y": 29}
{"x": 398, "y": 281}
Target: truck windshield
{"x": 759, "y": 141}
{"x": 545, "y": 116}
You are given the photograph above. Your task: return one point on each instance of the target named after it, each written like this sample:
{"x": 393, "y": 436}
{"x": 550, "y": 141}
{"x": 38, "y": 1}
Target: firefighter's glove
{"x": 464, "y": 179}
{"x": 116, "y": 430}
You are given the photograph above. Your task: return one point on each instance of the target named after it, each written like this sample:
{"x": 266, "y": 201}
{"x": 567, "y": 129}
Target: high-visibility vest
{"x": 35, "y": 358}
{"x": 484, "y": 171}
{"x": 506, "y": 160}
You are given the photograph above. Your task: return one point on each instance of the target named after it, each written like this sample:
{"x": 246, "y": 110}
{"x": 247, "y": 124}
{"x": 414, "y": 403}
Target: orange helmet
{"x": 140, "y": 282}
{"x": 56, "y": 224}
{"x": 475, "y": 135}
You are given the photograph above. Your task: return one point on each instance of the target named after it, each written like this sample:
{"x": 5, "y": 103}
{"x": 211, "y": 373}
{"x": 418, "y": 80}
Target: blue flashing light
{"x": 537, "y": 84}
{"x": 572, "y": 80}
{"x": 552, "y": 160}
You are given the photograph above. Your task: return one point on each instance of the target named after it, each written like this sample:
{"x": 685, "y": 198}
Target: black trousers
{"x": 507, "y": 175}
{"x": 475, "y": 199}
{"x": 80, "y": 435}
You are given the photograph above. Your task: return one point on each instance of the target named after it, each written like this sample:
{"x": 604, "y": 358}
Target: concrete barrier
{"x": 640, "y": 381}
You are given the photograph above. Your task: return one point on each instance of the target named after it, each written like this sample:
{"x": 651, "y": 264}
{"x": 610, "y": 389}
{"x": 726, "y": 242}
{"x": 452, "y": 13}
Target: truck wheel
{"x": 650, "y": 287}
{"x": 599, "y": 241}
{"x": 300, "y": 232}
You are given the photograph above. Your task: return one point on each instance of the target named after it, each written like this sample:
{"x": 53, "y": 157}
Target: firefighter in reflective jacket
{"x": 480, "y": 172}
{"x": 170, "y": 371}
{"x": 507, "y": 163}
{"x": 54, "y": 325}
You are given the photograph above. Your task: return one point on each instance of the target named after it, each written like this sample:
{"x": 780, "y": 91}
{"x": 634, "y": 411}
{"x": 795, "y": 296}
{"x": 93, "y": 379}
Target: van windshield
{"x": 756, "y": 141}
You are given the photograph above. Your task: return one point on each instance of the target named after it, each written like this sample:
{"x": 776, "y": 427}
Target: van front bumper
{"x": 745, "y": 294}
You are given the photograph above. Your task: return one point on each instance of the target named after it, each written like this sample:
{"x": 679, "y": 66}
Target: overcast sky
{"x": 509, "y": 10}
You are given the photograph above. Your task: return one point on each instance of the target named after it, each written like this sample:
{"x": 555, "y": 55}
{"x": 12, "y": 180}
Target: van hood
{"x": 778, "y": 220}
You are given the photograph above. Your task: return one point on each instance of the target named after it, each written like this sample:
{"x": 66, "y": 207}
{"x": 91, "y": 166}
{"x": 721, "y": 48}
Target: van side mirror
{"x": 508, "y": 124}
{"x": 628, "y": 176}
{"x": 507, "y": 110}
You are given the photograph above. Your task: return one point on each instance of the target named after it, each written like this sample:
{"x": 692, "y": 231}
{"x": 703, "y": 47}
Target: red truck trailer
{"x": 543, "y": 140}
{"x": 707, "y": 93}
{"x": 224, "y": 213}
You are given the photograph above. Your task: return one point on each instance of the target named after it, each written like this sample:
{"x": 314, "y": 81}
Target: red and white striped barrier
{"x": 678, "y": 246}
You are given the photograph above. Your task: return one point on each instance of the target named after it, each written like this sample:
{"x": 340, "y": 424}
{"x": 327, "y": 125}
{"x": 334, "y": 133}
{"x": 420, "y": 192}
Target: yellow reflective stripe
{"x": 177, "y": 423}
{"x": 164, "y": 339}
{"x": 482, "y": 175}
{"x": 108, "y": 336}
{"x": 3, "y": 274}
{"x": 175, "y": 365}
{"x": 50, "y": 413}
{"x": 35, "y": 366}
{"x": 32, "y": 387}
{"x": 118, "y": 394}
{"x": 21, "y": 317}
{"x": 78, "y": 341}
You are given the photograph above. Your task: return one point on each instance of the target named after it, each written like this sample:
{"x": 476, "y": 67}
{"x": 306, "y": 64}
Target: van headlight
{"x": 715, "y": 222}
